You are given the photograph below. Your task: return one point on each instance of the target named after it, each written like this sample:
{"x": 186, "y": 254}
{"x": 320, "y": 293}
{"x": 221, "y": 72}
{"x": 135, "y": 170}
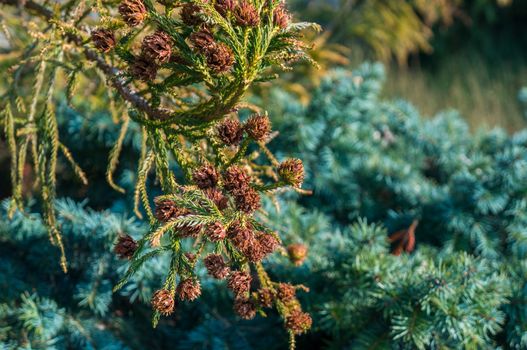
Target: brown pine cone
{"x": 254, "y": 252}
{"x": 258, "y": 127}
{"x": 241, "y": 237}
{"x": 103, "y": 39}
{"x": 167, "y": 210}
{"x": 298, "y": 322}
{"x": 157, "y": 47}
{"x": 216, "y": 267}
{"x": 133, "y": 12}
{"x": 191, "y": 14}
{"x": 217, "y": 197}
{"x": 245, "y": 308}
{"x": 163, "y": 302}
{"x": 286, "y": 292}
{"x": 235, "y": 180}
{"x": 143, "y": 69}
{"x": 297, "y": 253}
{"x": 125, "y": 247}
{"x": 203, "y": 41}
{"x": 247, "y": 200}
{"x": 230, "y": 132}
{"x": 281, "y": 17}
{"x": 268, "y": 243}
{"x": 246, "y": 14}
{"x": 216, "y": 232}
{"x": 205, "y": 177}
{"x": 292, "y": 172}
{"x": 189, "y": 289}
{"x": 224, "y": 6}
{"x": 240, "y": 283}
{"x": 220, "y": 58}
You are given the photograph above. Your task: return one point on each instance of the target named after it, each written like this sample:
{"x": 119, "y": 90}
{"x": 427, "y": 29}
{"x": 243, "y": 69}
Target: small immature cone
{"x": 292, "y": 172}
{"x": 103, "y": 39}
{"x": 246, "y": 14}
{"x": 157, "y": 47}
{"x": 258, "y": 127}
{"x": 203, "y": 41}
{"x": 235, "y": 180}
{"x": 217, "y": 197}
{"x": 281, "y": 17}
{"x": 216, "y": 267}
{"x": 220, "y": 58}
{"x": 133, "y": 12}
{"x": 163, "y": 302}
{"x": 225, "y": 6}
{"x": 230, "y": 132}
{"x": 216, "y": 232}
{"x": 240, "y": 283}
{"x": 266, "y": 297}
{"x": 189, "y": 289}
{"x": 248, "y": 200}
{"x": 245, "y": 308}
{"x": 298, "y": 322}
{"x": 286, "y": 292}
{"x": 205, "y": 177}
{"x": 297, "y": 253}
{"x": 143, "y": 69}
{"x": 268, "y": 243}
{"x": 167, "y": 210}
{"x": 125, "y": 247}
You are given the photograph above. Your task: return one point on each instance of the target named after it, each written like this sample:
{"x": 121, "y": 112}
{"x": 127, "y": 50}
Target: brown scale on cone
{"x": 205, "y": 177}
{"x": 216, "y": 231}
{"x": 298, "y": 322}
{"x": 189, "y": 289}
{"x": 286, "y": 292}
{"x": 230, "y": 132}
{"x": 404, "y": 240}
{"x": 235, "y": 180}
{"x": 103, "y": 40}
{"x": 143, "y": 69}
{"x": 258, "y": 127}
{"x": 163, "y": 302}
{"x": 216, "y": 267}
{"x": 167, "y": 210}
{"x": 281, "y": 17}
{"x": 157, "y": 47}
{"x": 297, "y": 253}
{"x": 133, "y": 12}
{"x": 254, "y": 252}
{"x": 217, "y": 197}
{"x": 247, "y": 200}
{"x": 266, "y": 297}
{"x": 291, "y": 172}
{"x": 225, "y": 6}
{"x": 246, "y": 14}
{"x": 245, "y": 308}
{"x": 268, "y": 243}
{"x": 220, "y": 58}
{"x": 240, "y": 283}
{"x": 125, "y": 247}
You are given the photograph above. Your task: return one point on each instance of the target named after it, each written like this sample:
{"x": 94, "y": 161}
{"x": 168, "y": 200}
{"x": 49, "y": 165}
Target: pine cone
{"x": 191, "y": 14}
{"x": 167, "y": 210}
{"x": 230, "y": 132}
{"x": 268, "y": 243}
{"x": 240, "y": 283}
{"x": 246, "y": 14}
{"x": 235, "y": 180}
{"x": 286, "y": 292}
{"x": 245, "y": 308}
{"x": 297, "y": 253}
{"x": 125, "y": 247}
{"x": 191, "y": 257}
{"x": 189, "y": 289}
{"x": 216, "y": 232}
{"x": 205, "y": 176}
{"x": 254, "y": 252}
{"x": 241, "y": 237}
{"x": 258, "y": 127}
{"x": 143, "y": 69}
{"x": 266, "y": 297}
{"x": 163, "y": 302}
{"x": 281, "y": 17}
{"x": 224, "y": 6}
{"x": 217, "y": 197}
{"x": 248, "y": 200}
{"x": 216, "y": 267}
{"x": 133, "y": 12}
{"x": 292, "y": 172}
{"x": 298, "y": 322}
{"x": 103, "y": 39}
{"x": 220, "y": 58}
{"x": 203, "y": 41}
{"x": 157, "y": 47}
